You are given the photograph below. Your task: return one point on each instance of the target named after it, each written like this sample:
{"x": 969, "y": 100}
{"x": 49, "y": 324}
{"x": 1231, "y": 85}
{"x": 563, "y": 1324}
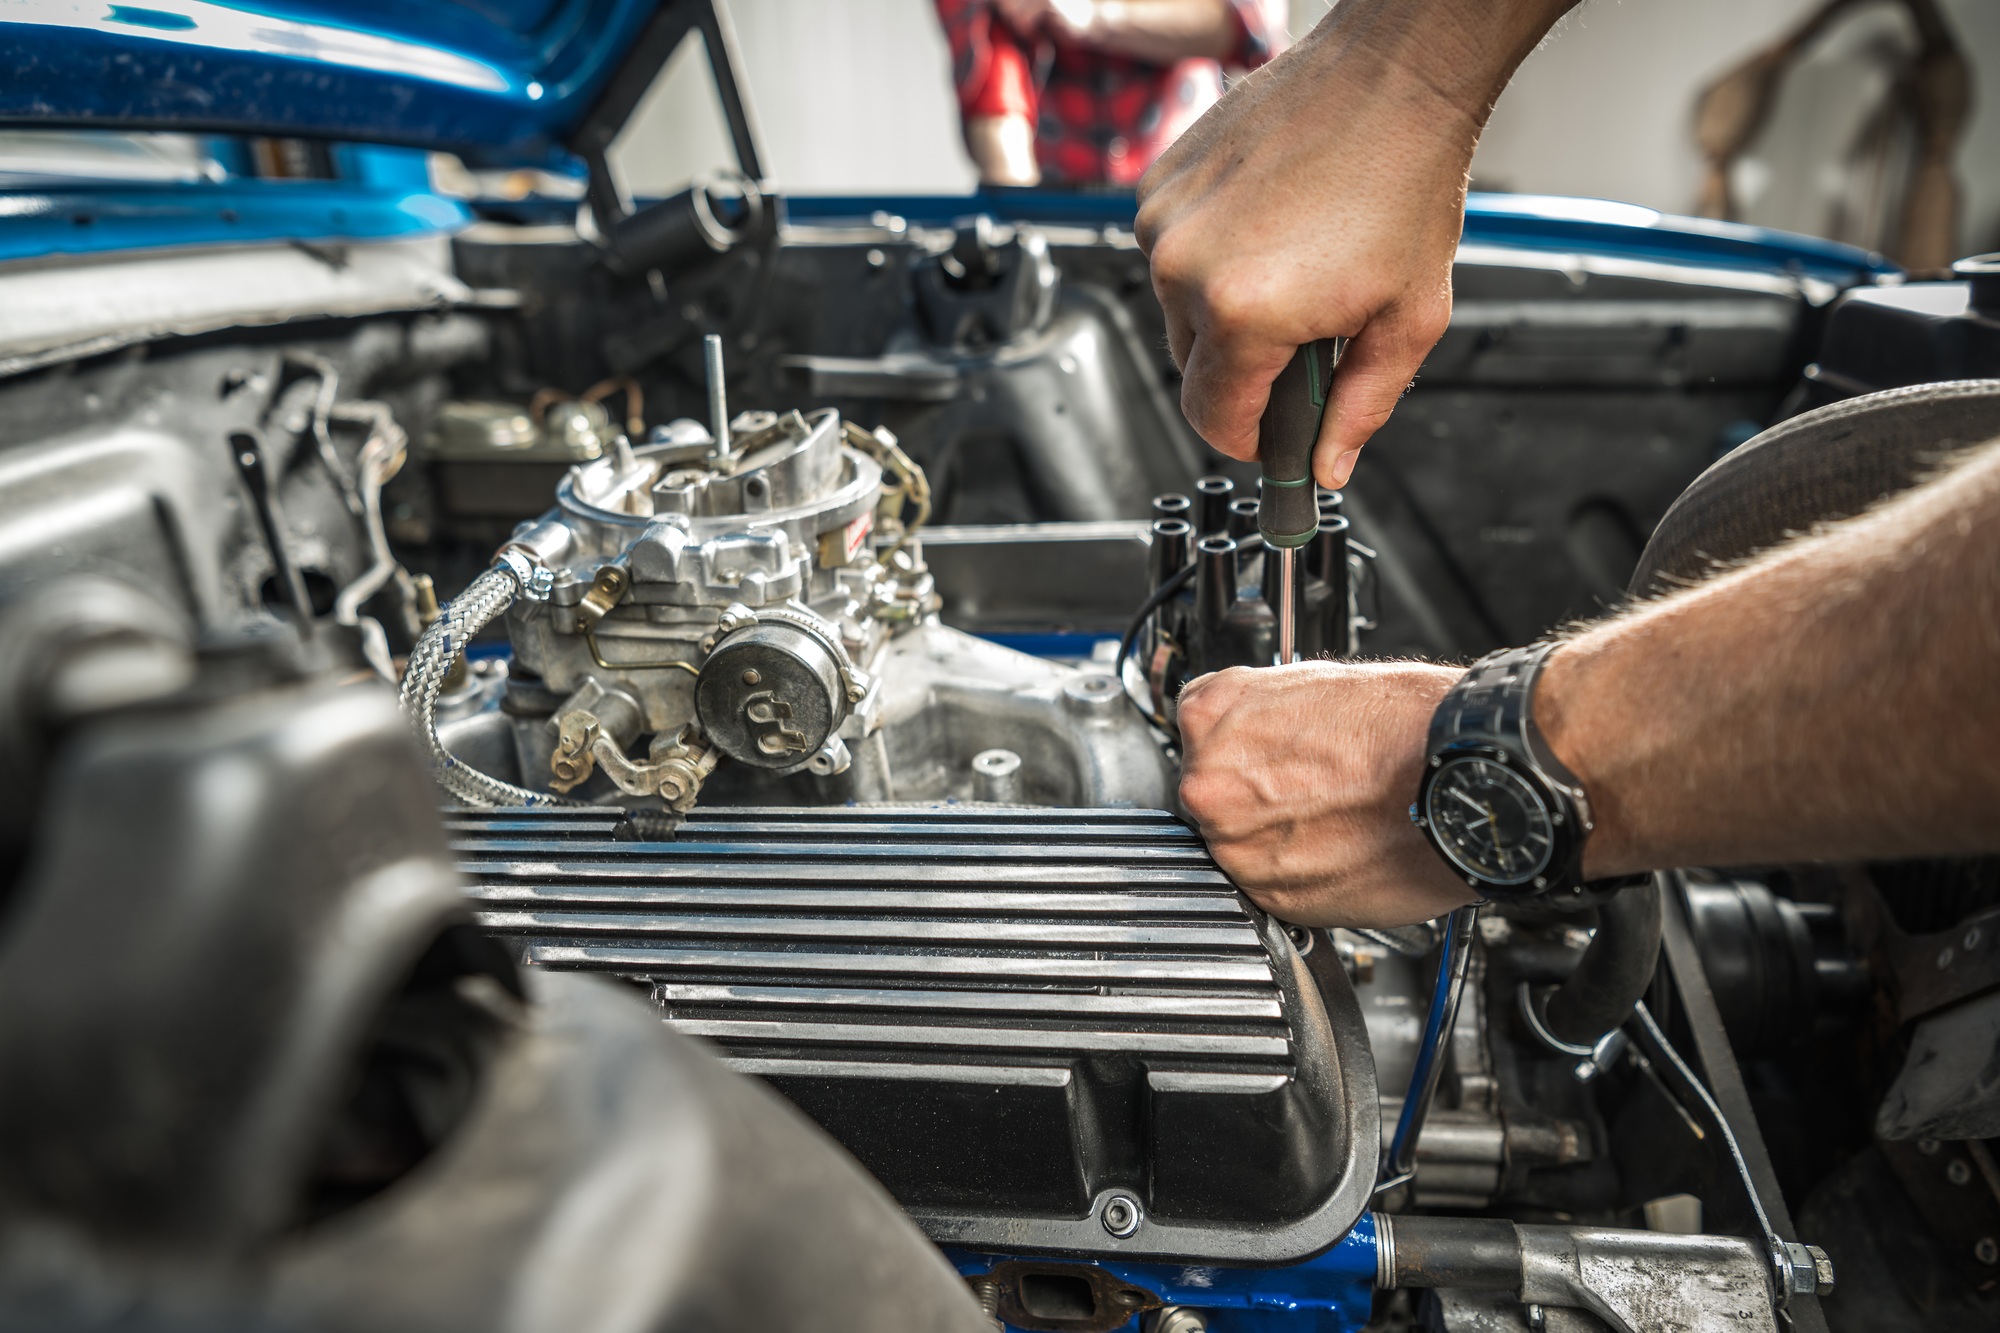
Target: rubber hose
{"x": 486, "y": 598}
{"x": 1614, "y": 971}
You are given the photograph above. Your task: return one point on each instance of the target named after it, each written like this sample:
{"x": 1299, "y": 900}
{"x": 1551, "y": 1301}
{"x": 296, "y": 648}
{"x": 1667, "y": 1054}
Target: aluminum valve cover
{"x": 1016, "y": 1018}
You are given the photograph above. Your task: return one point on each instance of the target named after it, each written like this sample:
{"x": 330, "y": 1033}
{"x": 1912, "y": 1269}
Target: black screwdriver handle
{"x": 1287, "y": 509}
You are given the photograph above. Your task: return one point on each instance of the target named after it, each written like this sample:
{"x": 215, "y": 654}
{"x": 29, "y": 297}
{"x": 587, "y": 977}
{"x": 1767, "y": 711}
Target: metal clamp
{"x": 536, "y": 582}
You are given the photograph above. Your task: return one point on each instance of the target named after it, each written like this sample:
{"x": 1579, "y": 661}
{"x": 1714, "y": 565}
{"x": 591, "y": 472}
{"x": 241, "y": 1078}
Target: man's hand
{"x": 1832, "y": 700}
{"x": 1324, "y": 197}
{"x": 1301, "y": 777}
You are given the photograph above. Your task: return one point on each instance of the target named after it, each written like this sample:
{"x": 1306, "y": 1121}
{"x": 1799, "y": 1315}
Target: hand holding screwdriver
{"x": 1287, "y": 506}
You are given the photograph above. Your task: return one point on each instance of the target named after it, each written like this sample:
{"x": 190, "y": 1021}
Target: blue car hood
{"x": 498, "y": 81}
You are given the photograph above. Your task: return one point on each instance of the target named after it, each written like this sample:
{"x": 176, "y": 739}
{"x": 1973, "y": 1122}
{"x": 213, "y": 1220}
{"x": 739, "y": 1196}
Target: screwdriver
{"x": 1287, "y": 508}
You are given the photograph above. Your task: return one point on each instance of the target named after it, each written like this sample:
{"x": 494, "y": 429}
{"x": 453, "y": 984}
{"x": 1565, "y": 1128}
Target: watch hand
{"x": 1469, "y": 801}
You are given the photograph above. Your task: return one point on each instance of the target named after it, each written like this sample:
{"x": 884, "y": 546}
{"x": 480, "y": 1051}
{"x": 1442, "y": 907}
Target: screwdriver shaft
{"x": 1288, "y": 604}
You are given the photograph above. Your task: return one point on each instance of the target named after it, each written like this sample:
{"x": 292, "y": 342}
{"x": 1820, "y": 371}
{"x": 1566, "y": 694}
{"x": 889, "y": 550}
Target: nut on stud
{"x": 1810, "y": 1270}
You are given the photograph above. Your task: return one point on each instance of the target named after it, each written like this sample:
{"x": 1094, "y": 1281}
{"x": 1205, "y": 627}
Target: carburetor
{"x": 723, "y": 592}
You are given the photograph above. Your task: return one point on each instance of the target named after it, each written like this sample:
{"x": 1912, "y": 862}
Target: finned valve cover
{"x": 1043, "y": 1030}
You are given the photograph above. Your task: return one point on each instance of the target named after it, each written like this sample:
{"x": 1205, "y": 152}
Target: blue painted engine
{"x": 1333, "y": 1292}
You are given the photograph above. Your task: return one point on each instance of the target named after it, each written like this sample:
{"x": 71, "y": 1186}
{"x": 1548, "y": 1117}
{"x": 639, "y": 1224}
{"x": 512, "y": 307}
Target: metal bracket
{"x": 606, "y": 590}
{"x": 649, "y": 53}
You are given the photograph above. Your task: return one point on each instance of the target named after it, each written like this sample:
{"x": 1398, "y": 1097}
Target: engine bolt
{"x": 752, "y": 678}
{"x": 1121, "y": 1215}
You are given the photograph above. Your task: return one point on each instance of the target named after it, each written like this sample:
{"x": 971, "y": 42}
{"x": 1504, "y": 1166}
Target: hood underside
{"x": 494, "y": 80}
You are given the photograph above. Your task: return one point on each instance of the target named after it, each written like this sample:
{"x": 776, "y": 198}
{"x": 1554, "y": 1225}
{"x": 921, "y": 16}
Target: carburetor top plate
{"x": 790, "y": 474}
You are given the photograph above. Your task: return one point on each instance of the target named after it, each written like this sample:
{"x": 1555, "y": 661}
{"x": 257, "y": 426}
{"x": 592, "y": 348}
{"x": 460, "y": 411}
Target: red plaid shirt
{"x": 1100, "y": 119}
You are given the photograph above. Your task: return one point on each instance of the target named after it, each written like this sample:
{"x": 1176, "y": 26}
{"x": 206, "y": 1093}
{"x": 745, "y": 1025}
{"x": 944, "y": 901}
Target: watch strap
{"x": 1494, "y": 701}
{"x": 1493, "y": 705}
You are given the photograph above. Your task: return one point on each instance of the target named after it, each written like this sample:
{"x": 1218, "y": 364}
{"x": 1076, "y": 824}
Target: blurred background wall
{"x": 854, "y": 96}
{"x": 1605, "y": 106}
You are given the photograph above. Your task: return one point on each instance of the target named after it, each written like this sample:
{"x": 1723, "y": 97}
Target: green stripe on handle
{"x": 1287, "y": 509}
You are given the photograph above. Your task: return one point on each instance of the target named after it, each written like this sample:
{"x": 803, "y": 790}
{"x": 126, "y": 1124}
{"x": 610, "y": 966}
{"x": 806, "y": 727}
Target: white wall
{"x": 855, "y": 95}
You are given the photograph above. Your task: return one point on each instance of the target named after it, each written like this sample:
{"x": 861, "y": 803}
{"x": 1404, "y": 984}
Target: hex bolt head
{"x": 1808, "y": 1270}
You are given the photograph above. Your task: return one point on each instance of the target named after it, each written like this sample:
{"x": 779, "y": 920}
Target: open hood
{"x": 496, "y": 81}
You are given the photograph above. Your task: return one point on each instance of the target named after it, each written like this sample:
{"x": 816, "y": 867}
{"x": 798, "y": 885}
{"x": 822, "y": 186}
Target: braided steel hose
{"x": 431, "y": 661}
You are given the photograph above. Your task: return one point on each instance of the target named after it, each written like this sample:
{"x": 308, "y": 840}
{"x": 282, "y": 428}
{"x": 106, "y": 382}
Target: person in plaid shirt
{"x": 1089, "y": 92}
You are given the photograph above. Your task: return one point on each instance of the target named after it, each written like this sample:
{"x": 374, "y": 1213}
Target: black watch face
{"x": 1489, "y": 821}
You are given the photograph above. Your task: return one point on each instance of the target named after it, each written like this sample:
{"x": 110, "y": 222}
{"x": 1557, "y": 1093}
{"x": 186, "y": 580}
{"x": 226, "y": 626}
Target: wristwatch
{"x": 1495, "y": 801}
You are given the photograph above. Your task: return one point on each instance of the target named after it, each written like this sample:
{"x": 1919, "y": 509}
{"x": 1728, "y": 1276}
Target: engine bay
{"x": 794, "y": 621}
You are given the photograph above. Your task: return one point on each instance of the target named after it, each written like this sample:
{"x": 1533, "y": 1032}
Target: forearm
{"x": 1002, "y": 148}
{"x": 1836, "y": 699}
{"x": 1163, "y": 31}
{"x": 1464, "y": 51}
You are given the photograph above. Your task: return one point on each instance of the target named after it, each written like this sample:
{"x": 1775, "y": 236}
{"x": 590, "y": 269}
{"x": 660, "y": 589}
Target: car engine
{"x": 836, "y": 737}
